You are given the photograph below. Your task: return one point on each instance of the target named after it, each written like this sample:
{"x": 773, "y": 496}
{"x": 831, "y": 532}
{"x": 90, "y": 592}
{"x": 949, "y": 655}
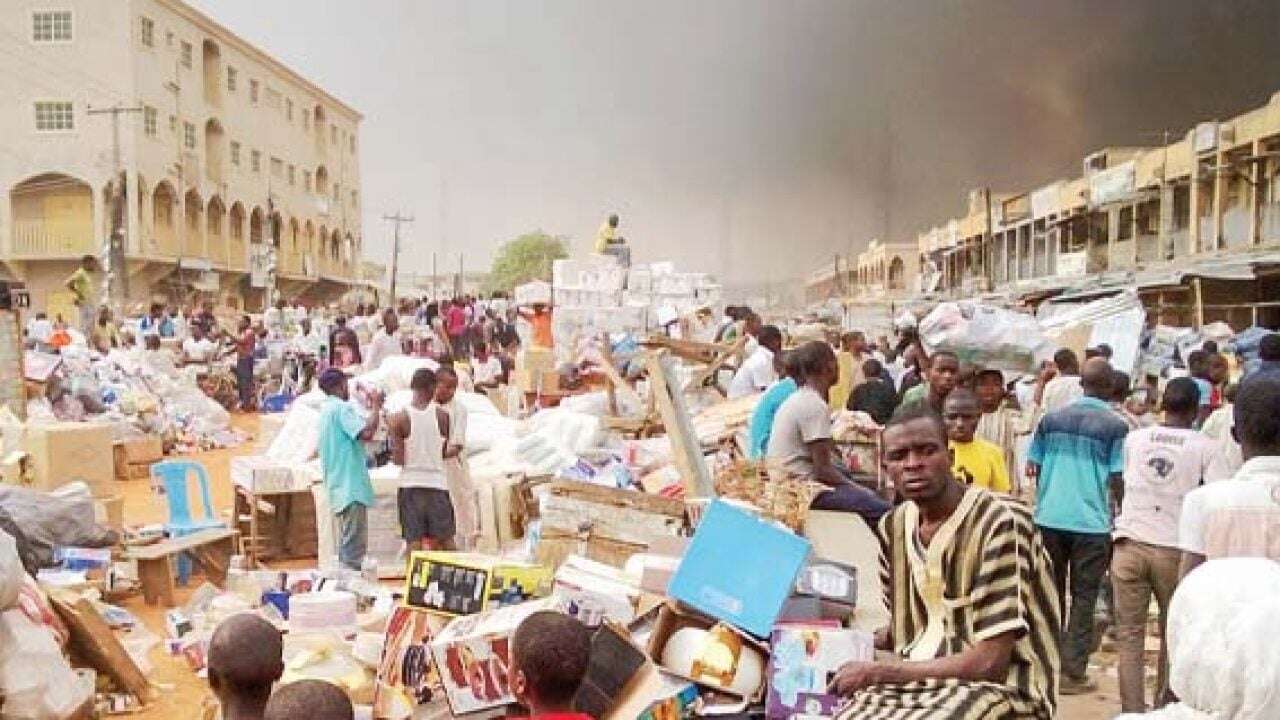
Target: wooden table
{"x": 298, "y": 529}
{"x": 210, "y": 549}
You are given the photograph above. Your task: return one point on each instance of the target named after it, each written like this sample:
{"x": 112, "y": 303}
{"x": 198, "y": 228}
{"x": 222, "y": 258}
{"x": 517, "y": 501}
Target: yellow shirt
{"x": 605, "y": 235}
{"x": 81, "y": 285}
{"x": 980, "y": 463}
{"x": 850, "y": 376}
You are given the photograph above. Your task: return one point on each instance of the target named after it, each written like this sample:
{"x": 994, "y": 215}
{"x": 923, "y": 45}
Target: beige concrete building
{"x": 887, "y": 271}
{"x": 230, "y": 158}
{"x": 1209, "y": 197}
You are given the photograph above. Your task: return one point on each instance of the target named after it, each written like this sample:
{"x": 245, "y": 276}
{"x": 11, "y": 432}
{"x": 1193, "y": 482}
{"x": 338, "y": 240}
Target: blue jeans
{"x": 353, "y": 535}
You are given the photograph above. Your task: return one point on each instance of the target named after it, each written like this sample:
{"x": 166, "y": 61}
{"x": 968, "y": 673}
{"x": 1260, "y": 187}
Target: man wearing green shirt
{"x": 81, "y": 285}
{"x": 346, "y": 476}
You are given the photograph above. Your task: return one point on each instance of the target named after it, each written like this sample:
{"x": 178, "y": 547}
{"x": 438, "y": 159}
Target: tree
{"x": 525, "y": 258}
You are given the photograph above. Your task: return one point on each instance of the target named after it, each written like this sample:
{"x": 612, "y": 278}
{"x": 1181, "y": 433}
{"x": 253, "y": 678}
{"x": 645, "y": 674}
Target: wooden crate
{"x": 603, "y": 524}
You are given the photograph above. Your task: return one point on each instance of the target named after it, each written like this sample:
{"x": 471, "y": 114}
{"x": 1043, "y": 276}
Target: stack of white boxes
{"x": 590, "y": 297}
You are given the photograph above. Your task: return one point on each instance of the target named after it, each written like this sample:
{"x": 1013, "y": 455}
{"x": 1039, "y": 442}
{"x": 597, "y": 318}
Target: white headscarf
{"x": 1224, "y": 658}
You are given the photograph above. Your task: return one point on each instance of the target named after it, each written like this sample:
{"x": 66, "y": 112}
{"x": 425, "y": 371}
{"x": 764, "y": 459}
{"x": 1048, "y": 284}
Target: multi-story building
{"x": 1209, "y": 198}
{"x": 227, "y": 158}
{"x": 887, "y": 271}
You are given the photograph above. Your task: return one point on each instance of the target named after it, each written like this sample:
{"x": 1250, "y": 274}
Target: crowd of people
{"x": 1025, "y": 516}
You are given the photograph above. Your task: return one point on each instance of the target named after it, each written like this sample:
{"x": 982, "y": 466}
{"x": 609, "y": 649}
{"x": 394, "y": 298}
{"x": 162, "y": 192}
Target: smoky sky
{"x": 749, "y": 138}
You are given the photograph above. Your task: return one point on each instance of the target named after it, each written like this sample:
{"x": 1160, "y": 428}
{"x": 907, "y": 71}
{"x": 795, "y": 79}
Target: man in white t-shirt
{"x": 1161, "y": 465}
{"x": 757, "y": 371}
{"x": 1058, "y": 385}
{"x": 466, "y": 501}
{"x": 198, "y": 349}
{"x": 1240, "y": 517}
{"x": 386, "y": 341}
{"x": 39, "y": 329}
{"x": 486, "y": 369}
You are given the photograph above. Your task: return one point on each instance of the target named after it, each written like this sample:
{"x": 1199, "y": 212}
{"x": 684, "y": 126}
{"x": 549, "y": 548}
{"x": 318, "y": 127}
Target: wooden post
{"x": 1199, "y": 318}
{"x": 686, "y": 451}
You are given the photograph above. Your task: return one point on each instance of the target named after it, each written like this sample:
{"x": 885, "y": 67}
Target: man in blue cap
{"x": 346, "y": 475}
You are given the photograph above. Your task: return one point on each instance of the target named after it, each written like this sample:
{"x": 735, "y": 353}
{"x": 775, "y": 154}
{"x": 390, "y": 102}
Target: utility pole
{"x": 458, "y": 287}
{"x": 395, "y": 249}
{"x": 117, "y": 273}
{"x": 435, "y": 292}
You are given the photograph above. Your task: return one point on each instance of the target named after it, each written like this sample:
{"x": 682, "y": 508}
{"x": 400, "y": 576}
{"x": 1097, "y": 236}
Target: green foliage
{"x": 525, "y": 258}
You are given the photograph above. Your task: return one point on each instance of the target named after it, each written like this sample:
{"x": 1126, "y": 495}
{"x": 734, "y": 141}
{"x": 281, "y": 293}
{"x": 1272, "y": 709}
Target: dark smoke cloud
{"x": 755, "y": 138}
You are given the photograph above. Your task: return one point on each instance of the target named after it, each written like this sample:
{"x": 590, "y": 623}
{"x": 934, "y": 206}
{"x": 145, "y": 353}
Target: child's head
{"x": 549, "y": 654}
{"x": 989, "y": 386}
{"x": 961, "y": 413}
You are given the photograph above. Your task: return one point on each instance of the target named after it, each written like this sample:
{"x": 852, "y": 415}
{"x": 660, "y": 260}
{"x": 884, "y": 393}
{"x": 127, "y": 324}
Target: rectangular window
{"x": 186, "y": 54}
{"x": 173, "y": 124}
{"x": 148, "y": 32}
{"x": 235, "y": 153}
{"x": 333, "y": 134}
{"x": 253, "y": 91}
{"x": 288, "y": 109}
{"x": 306, "y": 179}
{"x": 277, "y": 167}
{"x": 255, "y": 161}
{"x": 149, "y": 116}
{"x": 168, "y": 39}
{"x": 51, "y": 26}
{"x": 354, "y": 198}
{"x": 273, "y": 98}
{"x": 231, "y": 79}
{"x": 189, "y": 136}
{"x": 54, "y": 115}
{"x": 353, "y": 142}
{"x": 293, "y": 175}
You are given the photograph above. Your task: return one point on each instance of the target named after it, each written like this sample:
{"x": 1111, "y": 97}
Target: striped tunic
{"x": 989, "y": 574}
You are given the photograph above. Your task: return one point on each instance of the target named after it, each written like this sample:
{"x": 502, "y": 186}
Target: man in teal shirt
{"x": 346, "y": 475}
{"x": 762, "y": 418}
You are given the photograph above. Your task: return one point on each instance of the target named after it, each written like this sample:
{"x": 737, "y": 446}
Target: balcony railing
{"x": 35, "y": 238}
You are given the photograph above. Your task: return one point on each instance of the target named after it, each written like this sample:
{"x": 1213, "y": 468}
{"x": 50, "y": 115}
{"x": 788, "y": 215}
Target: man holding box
{"x": 974, "y": 613}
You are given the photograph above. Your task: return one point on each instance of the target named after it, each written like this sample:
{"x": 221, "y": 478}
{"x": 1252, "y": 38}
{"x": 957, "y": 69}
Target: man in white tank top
{"x": 418, "y": 435}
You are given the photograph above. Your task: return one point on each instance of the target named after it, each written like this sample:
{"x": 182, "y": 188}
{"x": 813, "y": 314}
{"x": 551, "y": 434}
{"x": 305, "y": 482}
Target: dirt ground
{"x": 181, "y": 693}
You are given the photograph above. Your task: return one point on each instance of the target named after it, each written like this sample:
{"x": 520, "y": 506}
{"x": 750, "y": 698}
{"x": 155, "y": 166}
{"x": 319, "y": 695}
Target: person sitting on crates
{"x": 608, "y": 242}
{"x": 418, "y": 436}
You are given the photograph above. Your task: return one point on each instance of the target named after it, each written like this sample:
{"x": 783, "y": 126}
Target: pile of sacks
{"x": 135, "y": 397}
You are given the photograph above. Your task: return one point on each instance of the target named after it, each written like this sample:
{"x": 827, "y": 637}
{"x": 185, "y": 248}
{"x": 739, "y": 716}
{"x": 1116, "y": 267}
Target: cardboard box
{"x": 15, "y": 468}
{"x": 654, "y": 695}
{"x": 455, "y": 583}
{"x": 673, "y": 618}
{"x": 146, "y": 449}
{"x": 604, "y": 524}
{"x": 67, "y": 451}
{"x": 828, "y": 580}
{"x": 473, "y": 656}
{"x": 594, "y": 592}
{"x": 614, "y": 664}
{"x": 406, "y": 676}
{"x": 803, "y": 663}
{"x": 535, "y": 359}
{"x": 713, "y": 578}
{"x": 260, "y": 474}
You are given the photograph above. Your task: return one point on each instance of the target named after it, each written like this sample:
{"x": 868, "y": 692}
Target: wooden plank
{"x": 171, "y": 546}
{"x": 687, "y": 349}
{"x": 628, "y": 499}
{"x": 98, "y": 645}
{"x": 685, "y": 448}
{"x": 710, "y": 371}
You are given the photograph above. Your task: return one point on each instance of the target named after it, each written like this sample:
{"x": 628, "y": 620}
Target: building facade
{"x": 228, "y": 164}
{"x": 1213, "y": 194}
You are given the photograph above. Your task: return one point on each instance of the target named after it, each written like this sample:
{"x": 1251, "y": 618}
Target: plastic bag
{"x": 986, "y": 336}
{"x": 35, "y": 680}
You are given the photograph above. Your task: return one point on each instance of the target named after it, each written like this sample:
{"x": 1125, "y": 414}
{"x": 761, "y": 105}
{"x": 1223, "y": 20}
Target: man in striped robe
{"x": 969, "y": 585}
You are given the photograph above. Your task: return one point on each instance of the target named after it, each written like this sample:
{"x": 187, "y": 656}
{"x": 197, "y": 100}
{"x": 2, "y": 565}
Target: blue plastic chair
{"x": 171, "y": 476}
